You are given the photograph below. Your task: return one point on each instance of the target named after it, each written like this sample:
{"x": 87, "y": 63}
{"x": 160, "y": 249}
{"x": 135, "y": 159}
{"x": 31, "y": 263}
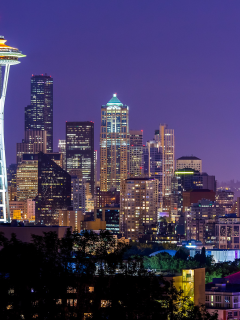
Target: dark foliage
{"x": 80, "y": 276}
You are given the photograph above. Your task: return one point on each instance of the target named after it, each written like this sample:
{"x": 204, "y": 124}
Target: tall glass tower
{"x": 39, "y": 115}
{"x": 114, "y": 144}
{"x": 8, "y": 56}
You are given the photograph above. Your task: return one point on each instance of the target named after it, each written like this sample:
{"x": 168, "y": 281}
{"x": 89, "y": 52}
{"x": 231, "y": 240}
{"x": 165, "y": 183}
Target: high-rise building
{"x": 138, "y": 206}
{"x": 39, "y": 115}
{"x": 35, "y": 141}
{"x": 167, "y": 143}
{"x": 8, "y": 56}
{"x": 152, "y": 165}
{"x": 80, "y": 149}
{"x": 114, "y": 144}
{"x": 95, "y": 169}
{"x": 225, "y": 198}
{"x": 190, "y": 162}
{"x": 27, "y": 178}
{"x": 62, "y": 150}
{"x": 77, "y": 190}
{"x": 54, "y": 190}
{"x": 135, "y": 153}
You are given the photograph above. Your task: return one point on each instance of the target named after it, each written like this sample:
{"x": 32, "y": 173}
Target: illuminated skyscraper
{"x": 39, "y": 115}
{"x": 167, "y": 144}
{"x": 114, "y": 144}
{"x": 135, "y": 153}
{"x": 138, "y": 206}
{"x": 8, "y": 56}
{"x": 80, "y": 149}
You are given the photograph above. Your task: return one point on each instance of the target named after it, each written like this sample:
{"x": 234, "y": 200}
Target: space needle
{"x": 8, "y": 56}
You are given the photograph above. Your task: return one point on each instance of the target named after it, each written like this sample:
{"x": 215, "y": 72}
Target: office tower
{"x": 186, "y": 180}
{"x": 54, "y": 190}
{"x": 62, "y": 150}
{"x": 114, "y": 144}
{"x": 80, "y": 149}
{"x": 8, "y": 56}
{"x": 27, "y": 178}
{"x": 39, "y": 115}
{"x": 167, "y": 143}
{"x": 35, "y": 141}
{"x": 135, "y": 153}
{"x": 189, "y": 162}
{"x": 138, "y": 206}
{"x": 152, "y": 165}
{"x": 77, "y": 190}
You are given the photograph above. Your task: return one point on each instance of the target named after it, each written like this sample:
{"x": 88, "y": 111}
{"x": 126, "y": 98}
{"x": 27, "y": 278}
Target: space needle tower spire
{"x": 8, "y": 56}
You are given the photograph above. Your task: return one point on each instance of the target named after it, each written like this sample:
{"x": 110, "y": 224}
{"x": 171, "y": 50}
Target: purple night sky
{"x": 174, "y": 62}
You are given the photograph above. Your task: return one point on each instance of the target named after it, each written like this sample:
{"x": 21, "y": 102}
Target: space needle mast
{"x": 8, "y": 56}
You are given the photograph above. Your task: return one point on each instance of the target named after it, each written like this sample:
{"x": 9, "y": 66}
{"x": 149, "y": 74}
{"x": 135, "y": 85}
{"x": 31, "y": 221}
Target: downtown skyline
{"x": 174, "y": 64}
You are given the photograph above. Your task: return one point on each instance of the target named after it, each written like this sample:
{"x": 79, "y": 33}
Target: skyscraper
{"x": 54, "y": 190}
{"x": 138, "y": 206}
{"x": 167, "y": 144}
{"x": 80, "y": 149}
{"x": 114, "y": 144}
{"x": 135, "y": 153}
{"x": 8, "y": 56}
{"x": 39, "y": 115}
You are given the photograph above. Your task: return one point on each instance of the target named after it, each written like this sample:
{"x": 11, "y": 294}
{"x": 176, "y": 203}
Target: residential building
{"x": 80, "y": 149}
{"x": 105, "y": 198}
{"x": 71, "y": 218}
{"x": 190, "y": 162}
{"x": 223, "y": 296}
{"x": 114, "y": 144}
{"x": 39, "y": 115}
{"x": 228, "y": 232}
{"x": 135, "y": 153}
{"x": 200, "y": 221}
{"x": 138, "y": 206}
{"x": 225, "y": 197}
{"x": 192, "y": 283}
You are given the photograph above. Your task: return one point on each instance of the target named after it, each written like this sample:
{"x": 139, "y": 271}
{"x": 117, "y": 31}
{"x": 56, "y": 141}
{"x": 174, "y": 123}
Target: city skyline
{"x": 184, "y": 72}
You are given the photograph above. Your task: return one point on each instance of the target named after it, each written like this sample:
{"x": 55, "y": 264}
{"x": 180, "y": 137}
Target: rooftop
{"x": 188, "y": 158}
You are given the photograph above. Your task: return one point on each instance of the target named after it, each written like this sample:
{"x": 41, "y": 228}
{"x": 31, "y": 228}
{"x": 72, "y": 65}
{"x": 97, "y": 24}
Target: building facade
{"x": 35, "y": 141}
{"x": 135, "y": 153}
{"x": 114, "y": 144}
{"x": 80, "y": 149}
{"x": 54, "y": 190}
{"x": 39, "y": 115}
{"x": 62, "y": 150}
{"x": 138, "y": 206}
{"x": 190, "y": 162}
